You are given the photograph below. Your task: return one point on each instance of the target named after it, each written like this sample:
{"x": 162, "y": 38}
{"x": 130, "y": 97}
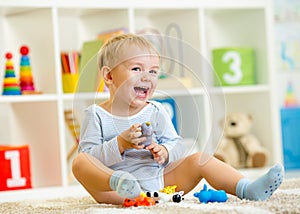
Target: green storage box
{"x": 234, "y": 66}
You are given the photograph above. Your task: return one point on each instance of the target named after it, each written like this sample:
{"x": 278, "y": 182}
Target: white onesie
{"x": 98, "y": 137}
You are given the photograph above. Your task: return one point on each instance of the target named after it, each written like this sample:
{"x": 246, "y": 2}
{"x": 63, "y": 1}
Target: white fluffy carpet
{"x": 285, "y": 200}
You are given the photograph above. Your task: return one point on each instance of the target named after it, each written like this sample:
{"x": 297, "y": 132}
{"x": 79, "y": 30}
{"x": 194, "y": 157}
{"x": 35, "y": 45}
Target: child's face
{"x": 135, "y": 79}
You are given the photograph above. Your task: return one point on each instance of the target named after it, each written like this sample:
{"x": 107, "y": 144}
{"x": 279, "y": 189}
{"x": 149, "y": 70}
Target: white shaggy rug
{"x": 285, "y": 200}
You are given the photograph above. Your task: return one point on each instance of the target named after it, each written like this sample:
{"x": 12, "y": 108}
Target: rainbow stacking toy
{"x": 26, "y": 79}
{"x": 290, "y": 98}
{"x": 10, "y": 83}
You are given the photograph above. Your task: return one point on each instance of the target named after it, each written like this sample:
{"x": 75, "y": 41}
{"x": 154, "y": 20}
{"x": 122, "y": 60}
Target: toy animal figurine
{"x": 211, "y": 195}
{"x": 169, "y": 189}
{"x": 177, "y": 197}
{"x": 142, "y": 200}
{"x": 161, "y": 197}
{"x": 154, "y": 195}
{"x": 147, "y": 132}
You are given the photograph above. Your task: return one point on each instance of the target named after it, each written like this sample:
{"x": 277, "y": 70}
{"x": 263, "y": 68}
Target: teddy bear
{"x": 238, "y": 147}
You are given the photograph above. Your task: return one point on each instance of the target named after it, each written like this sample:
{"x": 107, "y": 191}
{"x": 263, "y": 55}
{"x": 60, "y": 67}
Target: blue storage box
{"x": 290, "y": 127}
{"x": 170, "y": 107}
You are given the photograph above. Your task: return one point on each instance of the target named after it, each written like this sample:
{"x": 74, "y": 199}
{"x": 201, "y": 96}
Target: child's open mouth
{"x": 141, "y": 92}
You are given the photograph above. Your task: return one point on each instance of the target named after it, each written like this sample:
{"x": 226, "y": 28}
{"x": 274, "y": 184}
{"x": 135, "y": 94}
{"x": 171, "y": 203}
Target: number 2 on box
{"x": 16, "y": 180}
{"x": 235, "y": 67}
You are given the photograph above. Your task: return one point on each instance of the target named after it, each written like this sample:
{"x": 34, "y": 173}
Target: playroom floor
{"x": 72, "y": 191}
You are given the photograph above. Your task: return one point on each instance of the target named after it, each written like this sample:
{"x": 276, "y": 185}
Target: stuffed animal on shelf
{"x": 239, "y": 147}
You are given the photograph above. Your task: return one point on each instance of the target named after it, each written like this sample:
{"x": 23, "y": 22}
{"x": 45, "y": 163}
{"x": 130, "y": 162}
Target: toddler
{"x": 113, "y": 163}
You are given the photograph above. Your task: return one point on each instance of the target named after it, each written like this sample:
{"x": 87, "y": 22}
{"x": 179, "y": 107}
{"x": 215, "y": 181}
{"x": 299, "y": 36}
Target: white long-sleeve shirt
{"x": 98, "y": 137}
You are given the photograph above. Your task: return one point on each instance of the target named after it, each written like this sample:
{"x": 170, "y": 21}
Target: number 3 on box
{"x": 235, "y": 67}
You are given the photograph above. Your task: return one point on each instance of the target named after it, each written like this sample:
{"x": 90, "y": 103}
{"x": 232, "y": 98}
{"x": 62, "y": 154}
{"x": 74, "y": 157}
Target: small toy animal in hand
{"x": 147, "y": 132}
{"x": 211, "y": 195}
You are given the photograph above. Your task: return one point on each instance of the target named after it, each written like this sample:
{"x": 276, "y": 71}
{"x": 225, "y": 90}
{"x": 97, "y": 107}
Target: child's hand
{"x": 131, "y": 138}
{"x": 159, "y": 152}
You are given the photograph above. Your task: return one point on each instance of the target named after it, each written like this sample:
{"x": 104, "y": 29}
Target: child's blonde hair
{"x": 111, "y": 53}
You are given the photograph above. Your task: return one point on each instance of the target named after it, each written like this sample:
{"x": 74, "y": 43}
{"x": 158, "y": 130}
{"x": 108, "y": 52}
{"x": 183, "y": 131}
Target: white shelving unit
{"x": 49, "y": 27}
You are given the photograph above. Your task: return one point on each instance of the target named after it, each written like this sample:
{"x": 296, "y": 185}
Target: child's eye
{"x": 138, "y": 69}
{"x": 153, "y": 72}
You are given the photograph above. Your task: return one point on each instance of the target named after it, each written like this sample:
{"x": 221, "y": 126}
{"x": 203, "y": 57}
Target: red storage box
{"x": 14, "y": 167}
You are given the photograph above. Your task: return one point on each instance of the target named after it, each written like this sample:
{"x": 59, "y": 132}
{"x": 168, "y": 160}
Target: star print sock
{"x": 125, "y": 184}
{"x": 261, "y": 188}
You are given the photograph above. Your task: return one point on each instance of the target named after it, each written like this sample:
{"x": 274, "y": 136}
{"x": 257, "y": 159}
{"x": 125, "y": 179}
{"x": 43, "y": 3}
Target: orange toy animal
{"x": 142, "y": 200}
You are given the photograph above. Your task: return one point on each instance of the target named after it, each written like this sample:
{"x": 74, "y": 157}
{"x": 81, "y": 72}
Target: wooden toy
{"x": 10, "y": 84}
{"x": 26, "y": 78}
{"x": 15, "y": 167}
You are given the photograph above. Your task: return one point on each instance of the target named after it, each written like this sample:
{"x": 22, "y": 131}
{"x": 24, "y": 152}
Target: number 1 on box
{"x": 16, "y": 180}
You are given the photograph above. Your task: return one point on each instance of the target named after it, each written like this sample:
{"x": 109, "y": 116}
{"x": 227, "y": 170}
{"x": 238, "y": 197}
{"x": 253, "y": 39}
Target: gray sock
{"x": 125, "y": 184}
{"x": 263, "y": 187}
